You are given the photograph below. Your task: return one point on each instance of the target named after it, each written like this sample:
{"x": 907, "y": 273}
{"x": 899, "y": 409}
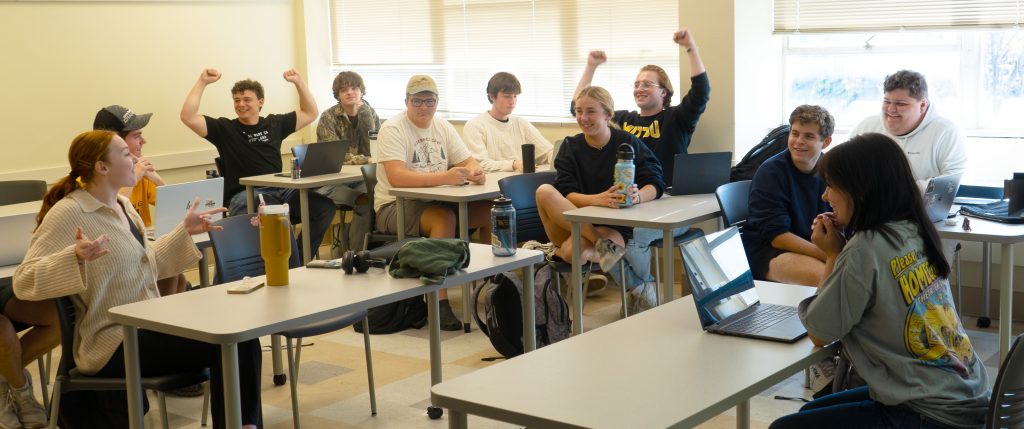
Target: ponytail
{"x": 86, "y": 149}
{"x": 57, "y": 192}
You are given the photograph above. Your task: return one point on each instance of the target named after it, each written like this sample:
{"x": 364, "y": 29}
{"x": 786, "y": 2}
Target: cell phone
{"x": 245, "y": 287}
{"x": 319, "y": 263}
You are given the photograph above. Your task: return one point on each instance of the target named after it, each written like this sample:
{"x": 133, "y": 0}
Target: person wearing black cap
{"x": 128, "y": 125}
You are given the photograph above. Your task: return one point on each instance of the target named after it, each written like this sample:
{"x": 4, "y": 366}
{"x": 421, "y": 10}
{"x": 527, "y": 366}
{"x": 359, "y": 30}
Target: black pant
{"x": 161, "y": 354}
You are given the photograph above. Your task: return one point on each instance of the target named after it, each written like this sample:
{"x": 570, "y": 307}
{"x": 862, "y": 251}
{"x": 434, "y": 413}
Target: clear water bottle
{"x": 503, "y": 227}
{"x": 625, "y": 171}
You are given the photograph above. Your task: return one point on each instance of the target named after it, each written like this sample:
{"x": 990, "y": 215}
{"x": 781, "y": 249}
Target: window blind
{"x": 462, "y": 43}
{"x": 822, "y": 16}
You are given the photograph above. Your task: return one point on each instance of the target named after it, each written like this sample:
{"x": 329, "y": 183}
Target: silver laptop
{"x": 17, "y": 221}
{"x": 939, "y": 196}
{"x": 723, "y": 289}
{"x": 700, "y": 173}
{"x": 173, "y": 201}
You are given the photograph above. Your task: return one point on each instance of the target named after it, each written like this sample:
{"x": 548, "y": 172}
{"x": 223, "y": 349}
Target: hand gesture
{"x": 144, "y": 168}
{"x": 88, "y": 250}
{"x": 458, "y": 175}
{"x": 596, "y": 58}
{"x": 477, "y": 176}
{"x": 827, "y": 234}
{"x": 293, "y": 76}
{"x": 610, "y": 198}
{"x": 209, "y": 76}
{"x": 196, "y": 223}
{"x": 685, "y": 39}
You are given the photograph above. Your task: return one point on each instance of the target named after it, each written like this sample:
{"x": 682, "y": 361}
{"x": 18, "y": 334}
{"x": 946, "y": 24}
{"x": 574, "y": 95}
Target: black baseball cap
{"x": 119, "y": 119}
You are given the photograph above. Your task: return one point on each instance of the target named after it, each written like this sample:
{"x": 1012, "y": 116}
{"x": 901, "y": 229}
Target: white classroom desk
{"x": 348, "y": 174}
{"x": 666, "y": 213}
{"x": 988, "y": 232}
{"x": 312, "y": 295}
{"x": 459, "y": 194}
{"x": 657, "y": 369}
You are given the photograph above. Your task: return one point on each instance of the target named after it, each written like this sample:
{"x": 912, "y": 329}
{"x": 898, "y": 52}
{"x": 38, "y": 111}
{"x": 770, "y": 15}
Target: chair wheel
{"x": 280, "y": 379}
{"x": 434, "y": 412}
{"x": 984, "y": 322}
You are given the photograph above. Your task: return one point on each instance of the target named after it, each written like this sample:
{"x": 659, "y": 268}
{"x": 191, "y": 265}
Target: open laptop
{"x": 723, "y": 289}
{"x": 17, "y": 221}
{"x": 939, "y": 196}
{"x": 700, "y": 173}
{"x": 173, "y": 201}
{"x": 317, "y": 159}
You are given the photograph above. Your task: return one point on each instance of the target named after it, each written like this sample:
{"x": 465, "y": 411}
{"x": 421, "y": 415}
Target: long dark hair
{"x": 872, "y": 169}
{"x": 85, "y": 150}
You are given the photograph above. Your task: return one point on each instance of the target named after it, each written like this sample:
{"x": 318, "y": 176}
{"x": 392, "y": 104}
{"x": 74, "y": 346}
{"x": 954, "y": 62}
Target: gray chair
{"x": 237, "y": 254}
{"x": 733, "y": 198}
{"x": 1006, "y": 407}
{"x": 21, "y": 191}
{"x": 70, "y": 380}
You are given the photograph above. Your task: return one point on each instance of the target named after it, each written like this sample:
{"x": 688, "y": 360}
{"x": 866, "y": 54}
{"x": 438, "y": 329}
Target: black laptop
{"x": 700, "y": 173}
{"x": 317, "y": 159}
{"x": 723, "y": 289}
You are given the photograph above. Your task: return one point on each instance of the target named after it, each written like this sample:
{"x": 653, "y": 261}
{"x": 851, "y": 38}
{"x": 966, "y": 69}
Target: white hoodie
{"x": 934, "y": 148}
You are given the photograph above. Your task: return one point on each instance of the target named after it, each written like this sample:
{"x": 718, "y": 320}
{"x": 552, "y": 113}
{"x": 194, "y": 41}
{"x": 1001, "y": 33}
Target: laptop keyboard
{"x": 765, "y": 316}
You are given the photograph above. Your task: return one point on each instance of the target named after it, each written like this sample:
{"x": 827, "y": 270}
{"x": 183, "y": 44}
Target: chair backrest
{"x": 66, "y": 317}
{"x": 1005, "y": 407}
{"x": 370, "y": 181}
{"x": 21, "y": 191}
{"x": 733, "y": 199}
{"x": 236, "y": 249}
{"x": 220, "y": 166}
{"x": 522, "y": 190}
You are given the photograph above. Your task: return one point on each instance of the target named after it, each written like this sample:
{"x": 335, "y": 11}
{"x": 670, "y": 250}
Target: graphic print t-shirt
{"x": 899, "y": 327}
{"x": 429, "y": 150}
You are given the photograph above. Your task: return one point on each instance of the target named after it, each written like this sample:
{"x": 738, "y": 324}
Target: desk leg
{"x": 133, "y": 377}
{"x": 457, "y": 419}
{"x": 1006, "y": 301}
{"x": 434, "y": 324}
{"x": 743, "y": 414}
{"x": 250, "y": 199}
{"x": 986, "y": 284}
{"x": 307, "y": 253}
{"x": 232, "y": 391}
{"x": 576, "y": 282}
{"x": 467, "y": 314}
{"x": 277, "y": 362}
{"x": 400, "y": 207}
{"x": 668, "y": 284}
{"x": 529, "y": 313}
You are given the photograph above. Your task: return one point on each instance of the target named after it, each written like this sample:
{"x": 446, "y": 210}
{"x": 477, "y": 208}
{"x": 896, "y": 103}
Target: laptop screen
{"x": 720, "y": 277}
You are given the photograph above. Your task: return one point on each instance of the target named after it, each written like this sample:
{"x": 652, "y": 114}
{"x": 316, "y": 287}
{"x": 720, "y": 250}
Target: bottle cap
{"x": 502, "y": 201}
{"x": 626, "y": 151}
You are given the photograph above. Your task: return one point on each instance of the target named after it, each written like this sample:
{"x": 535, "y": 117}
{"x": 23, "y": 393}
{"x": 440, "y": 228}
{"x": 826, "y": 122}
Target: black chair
{"x": 375, "y": 238}
{"x": 522, "y": 190}
{"x": 237, "y": 254}
{"x": 1006, "y": 408}
{"x": 21, "y": 191}
{"x": 70, "y": 380}
{"x": 733, "y": 198}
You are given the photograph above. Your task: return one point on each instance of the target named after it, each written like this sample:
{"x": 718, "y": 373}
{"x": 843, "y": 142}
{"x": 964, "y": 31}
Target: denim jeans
{"x": 321, "y": 210}
{"x": 854, "y": 409}
{"x": 638, "y": 256}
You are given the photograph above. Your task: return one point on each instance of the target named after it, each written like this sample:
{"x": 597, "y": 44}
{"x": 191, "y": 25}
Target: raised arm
{"x": 594, "y": 59}
{"x": 685, "y": 40}
{"x": 190, "y": 110}
{"x": 307, "y": 104}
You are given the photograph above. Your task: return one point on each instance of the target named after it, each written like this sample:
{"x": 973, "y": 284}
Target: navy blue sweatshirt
{"x": 782, "y": 199}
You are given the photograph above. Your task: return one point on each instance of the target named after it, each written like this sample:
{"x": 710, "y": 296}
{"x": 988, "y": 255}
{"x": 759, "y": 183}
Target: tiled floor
{"x": 333, "y": 389}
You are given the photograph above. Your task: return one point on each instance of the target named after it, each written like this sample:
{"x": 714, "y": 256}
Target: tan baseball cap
{"x": 421, "y": 83}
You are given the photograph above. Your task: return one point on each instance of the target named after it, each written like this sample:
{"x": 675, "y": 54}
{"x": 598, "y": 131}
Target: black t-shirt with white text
{"x": 248, "y": 150}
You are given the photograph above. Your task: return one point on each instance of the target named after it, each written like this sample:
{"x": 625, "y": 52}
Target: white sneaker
{"x": 596, "y": 284}
{"x": 822, "y": 374}
{"x": 8, "y": 413}
{"x": 30, "y": 412}
{"x": 610, "y": 253}
{"x": 642, "y": 298}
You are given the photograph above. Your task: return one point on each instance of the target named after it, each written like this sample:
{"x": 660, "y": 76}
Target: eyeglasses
{"x": 645, "y": 84}
{"x": 417, "y": 102}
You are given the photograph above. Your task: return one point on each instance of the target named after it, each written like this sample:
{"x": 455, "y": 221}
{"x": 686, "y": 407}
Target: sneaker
{"x": 8, "y": 412}
{"x": 188, "y": 391}
{"x": 596, "y": 284}
{"x": 30, "y": 412}
{"x": 642, "y": 298}
{"x": 449, "y": 322}
{"x": 822, "y": 374}
{"x": 610, "y": 253}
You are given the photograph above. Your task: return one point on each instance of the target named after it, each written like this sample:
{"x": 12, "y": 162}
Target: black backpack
{"x": 774, "y": 143}
{"x": 396, "y": 316}
{"x": 503, "y": 318}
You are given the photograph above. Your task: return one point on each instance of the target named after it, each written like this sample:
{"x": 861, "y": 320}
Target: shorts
{"x": 760, "y": 259}
{"x": 6, "y": 295}
{"x": 387, "y": 216}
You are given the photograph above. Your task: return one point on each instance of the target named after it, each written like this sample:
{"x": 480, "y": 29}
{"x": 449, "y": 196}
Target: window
{"x": 461, "y": 43}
